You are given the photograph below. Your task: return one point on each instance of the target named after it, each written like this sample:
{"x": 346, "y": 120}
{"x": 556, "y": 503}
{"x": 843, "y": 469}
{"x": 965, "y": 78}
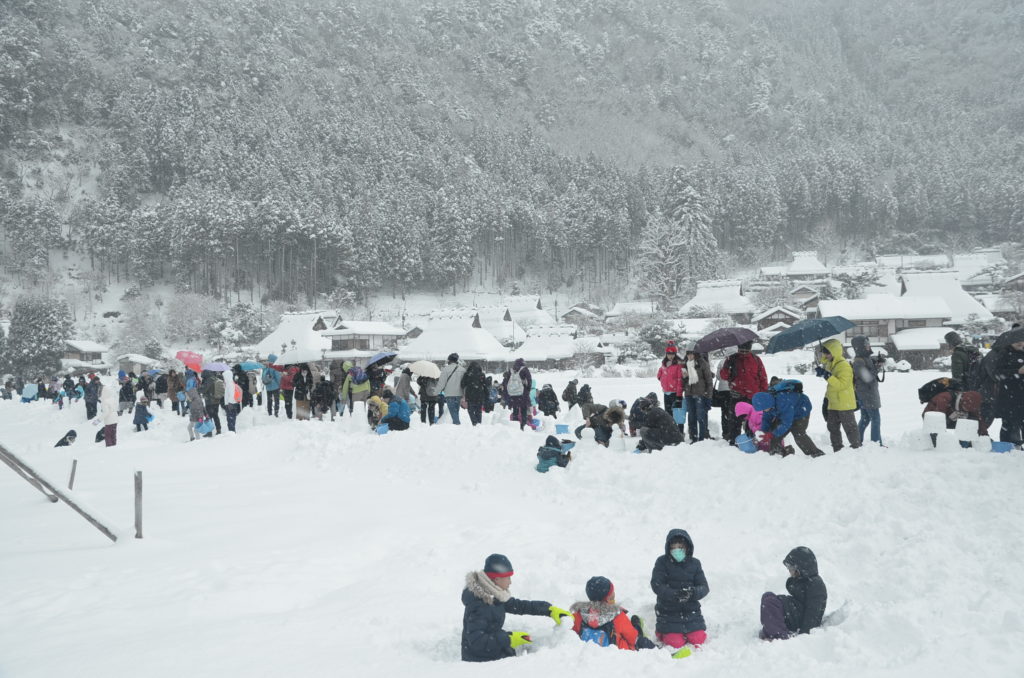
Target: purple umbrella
{"x": 727, "y": 336}
{"x": 216, "y": 367}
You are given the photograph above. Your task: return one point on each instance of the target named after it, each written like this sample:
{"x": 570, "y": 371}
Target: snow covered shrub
{"x": 35, "y": 342}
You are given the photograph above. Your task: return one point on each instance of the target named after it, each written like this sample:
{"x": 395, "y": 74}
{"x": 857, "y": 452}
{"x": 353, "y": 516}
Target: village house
{"x": 723, "y": 296}
{"x": 778, "y": 314}
{"x": 880, "y": 317}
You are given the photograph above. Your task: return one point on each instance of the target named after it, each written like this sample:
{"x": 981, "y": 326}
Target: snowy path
{"x": 309, "y": 549}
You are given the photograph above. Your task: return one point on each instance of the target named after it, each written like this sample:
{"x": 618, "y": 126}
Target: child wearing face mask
{"x": 679, "y": 583}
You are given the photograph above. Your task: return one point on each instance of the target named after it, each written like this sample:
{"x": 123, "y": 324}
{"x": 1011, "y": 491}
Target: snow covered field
{"x": 318, "y": 549}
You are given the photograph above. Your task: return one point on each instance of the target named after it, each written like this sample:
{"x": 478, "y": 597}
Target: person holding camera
{"x": 866, "y": 370}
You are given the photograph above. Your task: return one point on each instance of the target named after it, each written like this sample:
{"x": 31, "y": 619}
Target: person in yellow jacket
{"x": 840, "y": 399}
{"x": 356, "y": 388}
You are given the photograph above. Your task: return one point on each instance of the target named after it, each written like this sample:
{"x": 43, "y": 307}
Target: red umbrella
{"x": 191, "y": 359}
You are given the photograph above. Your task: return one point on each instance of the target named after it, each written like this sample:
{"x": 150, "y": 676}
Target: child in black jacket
{"x": 804, "y": 607}
{"x": 679, "y": 582}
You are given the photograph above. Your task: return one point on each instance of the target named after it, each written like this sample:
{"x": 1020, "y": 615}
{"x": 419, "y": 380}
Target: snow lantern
{"x": 935, "y": 422}
{"x": 966, "y": 430}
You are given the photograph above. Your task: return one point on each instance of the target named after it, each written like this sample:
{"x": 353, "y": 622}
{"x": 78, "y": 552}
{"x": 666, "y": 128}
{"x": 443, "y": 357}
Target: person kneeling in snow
{"x": 398, "y": 412}
{"x": 785, "y": 409}
{"x": 660, "y": 428}
{"x": 376, "y": 409}
{"x": 602, "y": 419}
{"x": 600, "y": 620}
{"x": 487, "y": 599}
{"x": 679, "y": 583}
{"x": 68, "y": 439}
{"x": 804, "y": 607}
{"x": 555, "y": 452}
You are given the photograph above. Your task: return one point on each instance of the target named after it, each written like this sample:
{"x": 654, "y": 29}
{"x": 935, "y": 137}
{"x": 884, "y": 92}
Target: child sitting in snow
{"x": 749, "y": 418}
{"x": 554, "y": 452}
{"x": 678, "y": 581}
{"x": 141, "y": 419}
{"x": 376, "y": 408}
{"x": 804, "y": 607}
{"x": 599, "y": 619}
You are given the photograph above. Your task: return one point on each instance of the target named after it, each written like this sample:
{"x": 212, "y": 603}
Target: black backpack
{"x": 937, "y": 386}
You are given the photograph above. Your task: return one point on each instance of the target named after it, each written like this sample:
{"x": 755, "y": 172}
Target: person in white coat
{"x": 232, "y": 398}
{"x": 108, "y": 411}
{"x": 450, "y": 385}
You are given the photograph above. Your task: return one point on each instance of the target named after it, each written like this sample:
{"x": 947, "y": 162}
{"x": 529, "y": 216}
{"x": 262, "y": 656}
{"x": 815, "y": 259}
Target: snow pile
{"x": 318, "y": 549}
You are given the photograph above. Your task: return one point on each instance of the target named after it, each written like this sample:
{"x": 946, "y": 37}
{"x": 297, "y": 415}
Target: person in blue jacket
{"x": 678, "y": 581}
{"x": 272, "y": 385}
{"x": 399, "y": 413}
{"x": 487, "y": 599}
{"x": 786, "y": 410}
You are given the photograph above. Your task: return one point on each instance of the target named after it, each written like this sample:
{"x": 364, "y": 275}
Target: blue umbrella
{"x": 152, "y": 372}
{"x": 250, "y": 365}
{"x": 385, "y": 357}
{"x": 807, "y": 331}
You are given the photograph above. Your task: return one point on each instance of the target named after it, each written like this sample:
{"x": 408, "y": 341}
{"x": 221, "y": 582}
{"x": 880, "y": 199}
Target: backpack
{"x": 358, "y": 375}
{"x": 935, "y": 387}
{"x": 492, "y": 396}
{"x": 787, "y": 385}
{"x": 516, "y": 387}
{"x": 592, "y": 635}
{"x": 975, "y": 372}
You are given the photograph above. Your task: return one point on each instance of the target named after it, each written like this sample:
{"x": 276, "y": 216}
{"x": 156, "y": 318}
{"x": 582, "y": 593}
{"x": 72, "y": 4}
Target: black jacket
{"x": 64, "y": 442}
{"x": 547, "y": 401}
{"x": 483, "y": 639}
{"x": 474, "y": 384}
{"x": 669, "y": 580}
{"x": 805, "y": 604}
{"x": 638, "y": 413}
{"x": 668, "y": 429}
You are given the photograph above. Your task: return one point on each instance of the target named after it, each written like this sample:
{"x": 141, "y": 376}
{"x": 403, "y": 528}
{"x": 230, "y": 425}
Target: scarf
{"x": 691, "y": 370}
{"x": 481, "y": 586}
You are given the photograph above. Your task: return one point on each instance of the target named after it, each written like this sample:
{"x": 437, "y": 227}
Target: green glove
{"x": 517, "y": 638}
{"x": 682, "y": 653}
{"x": 557, "y": 613}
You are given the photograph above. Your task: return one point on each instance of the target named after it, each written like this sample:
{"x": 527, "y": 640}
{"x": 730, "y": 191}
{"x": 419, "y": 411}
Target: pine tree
{"x": 700, "y": 258}
{"x": 39, "y": 329}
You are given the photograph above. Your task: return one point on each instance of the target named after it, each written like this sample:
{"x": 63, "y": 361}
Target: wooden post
{"x": 71, "y": 480}
{"x": 26, "y": 471}
{"x": 138, "y": 504}
{"x": 32, "y": 481}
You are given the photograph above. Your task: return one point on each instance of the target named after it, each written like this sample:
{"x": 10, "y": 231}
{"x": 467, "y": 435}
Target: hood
{"x": 835, "y": 348}
{"x": 552, "y": 441}
{"x": 272, "y": 358}
{"x": 71, "y": 434}
{"x": 474, "y": 368}
{"x": 519, "y": 364}
{"x": 861, "y": 346}
{"x": 614, "y": 415}
{"x": 744, "y": 409}
{"x": 802, "y": 558}
{"x": 347, "y": 365}
{"x": 481, "y": 586}
{"x": 676, "y": 534}
{"x": 762, "y": 401}
{"x": 595, "y": 614}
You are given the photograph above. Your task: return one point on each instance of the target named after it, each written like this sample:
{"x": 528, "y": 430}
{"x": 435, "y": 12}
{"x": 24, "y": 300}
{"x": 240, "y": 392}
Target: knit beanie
{"x": 599, "y": 589}
{"x": 671, "y": 348}
{"x": 953, "y": 339}
{"x": 497, "y": 566}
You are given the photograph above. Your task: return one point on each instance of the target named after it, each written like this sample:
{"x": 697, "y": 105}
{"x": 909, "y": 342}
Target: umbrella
{"x": 385, "y": 357}
{"x": 727, "y": 336}
{"x": 250, "y": 365}
{"x": 191, "y": 359}
{"x": 1008, "y": 337}
{"x": 425, "y": 368}
{"x": 807, "y": 331}
{"x": 217, "y": 367}
{"x": 152, "y": 372}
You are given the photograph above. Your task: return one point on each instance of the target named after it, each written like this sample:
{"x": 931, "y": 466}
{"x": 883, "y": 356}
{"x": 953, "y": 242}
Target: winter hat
{"x": 272, "y": 358}
{"x": 497, "y": 566}
{"x": 671, "y": 348}
{"x": 600, "y": 589}
{"x": 953, "y": 339}
{"x": 71, "y": 434}
{"x": 453, "y": 357}
{"x": 762, "y": 401}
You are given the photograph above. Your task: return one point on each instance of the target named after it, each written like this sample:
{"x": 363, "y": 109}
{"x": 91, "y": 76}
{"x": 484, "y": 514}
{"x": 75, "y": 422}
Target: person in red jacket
{"x": 746, "y": 375}
{"x": 599, "y": 619}
{"x": 670, "y": 375}
{"x": 288, "y": 387}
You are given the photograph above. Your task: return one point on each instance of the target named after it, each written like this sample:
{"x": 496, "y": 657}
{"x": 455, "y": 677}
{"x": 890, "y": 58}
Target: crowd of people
{"x": 757, "y": 413}
{"x": 679, "y": 585}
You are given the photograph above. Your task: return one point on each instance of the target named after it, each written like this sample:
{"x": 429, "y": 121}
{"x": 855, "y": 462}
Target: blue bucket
{"x": 679, "y": 414}
{"x": 561, "y": 429}
{"x": 746, "y": 443}
{"x": 382, "y": 429}
{"x": 998, "y": 446}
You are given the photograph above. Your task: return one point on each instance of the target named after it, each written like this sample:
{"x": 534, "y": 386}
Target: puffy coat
{"x": 968, "y": 404}
{"x": 963, "y": 356}
{"x": 303, "y": 382}
{"x": 669, "y": 579}
{"x": 350, "y": 389}
{"x": 271, "y": 378}
{"x": 212, "y": 388}
{"x": 519, "y": 371}
{"x": 805, "y": 605}
{"x": 141, "y": 415}
{"x": 547, "y": 401}
{"x": 611, "y": 619}
{"x": 483, "y": 638}
{"x": 745, "y": 373}
{"x": 196, "y": 407}
{"x": 865, "y": 383}
{"x": 404, "y": 386}
{"x": 788, "y": 407}
{"x": 108, "y": 403}
{"x": 839, "y": 391}
{"x": 450, "y": 381}
{"x": 288, "y": 379}
{"x": 670, "y": 376}
{"x": 662, "y": 421}
{"x": 474, "y": 384}
{"x": 1009, "y": 384}
{"x": 175, "y": 384}
{"x": 92, "y": 392}
{"x": 705, "y": 381}
{"x": 398, "y": 409}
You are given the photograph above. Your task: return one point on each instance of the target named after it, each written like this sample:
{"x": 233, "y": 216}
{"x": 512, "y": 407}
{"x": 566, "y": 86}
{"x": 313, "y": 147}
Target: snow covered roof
{"x": 347, "y": 327}
{"x": 721, "y": 293}
{"x": 903, "y": 261}
{"x": 527, "y": 311}
{"x": 537, "y": 349}
{"x": 582, "y": 311}
{"x": 592, "y": 345}
{"x": 920, "y": 339}
{"x": 638, "y": 307}
{"x": 298, "y": 328}
{"x": 855, "y": 269}
{"x": 444, "y": 336}
{"x": 72, "y": 364}
{"x": 86, "y": 346}
{"x": 997, "y": 303}
{"x": 778, "y": 309}
{"x": 885, "y": 307}
{"x": 137, "y": 358}
{"x": 800, "y": 288}
{"x": 970, "y": 265}
{"x": 616, "y": 338}
{"x": 946, "y": 285}
{"x": 495, "y": 319}
{"x": 772, "y": 330}
{"x": 692, "y": 327}
{"x": 804, "y": 264}
{"x": 1014, "y": 278}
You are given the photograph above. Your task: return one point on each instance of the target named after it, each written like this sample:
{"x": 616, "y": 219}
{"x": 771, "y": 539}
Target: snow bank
{"x": 317, "y": 549}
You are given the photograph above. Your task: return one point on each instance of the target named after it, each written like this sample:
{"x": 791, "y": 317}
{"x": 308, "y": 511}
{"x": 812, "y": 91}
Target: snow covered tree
{"x": 39, "y": 329}
{"x": 140, "y": 328}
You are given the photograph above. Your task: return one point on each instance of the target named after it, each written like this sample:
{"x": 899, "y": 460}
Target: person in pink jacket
{"x": 670, "y": 374}
{"x": 747, "y": 415}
